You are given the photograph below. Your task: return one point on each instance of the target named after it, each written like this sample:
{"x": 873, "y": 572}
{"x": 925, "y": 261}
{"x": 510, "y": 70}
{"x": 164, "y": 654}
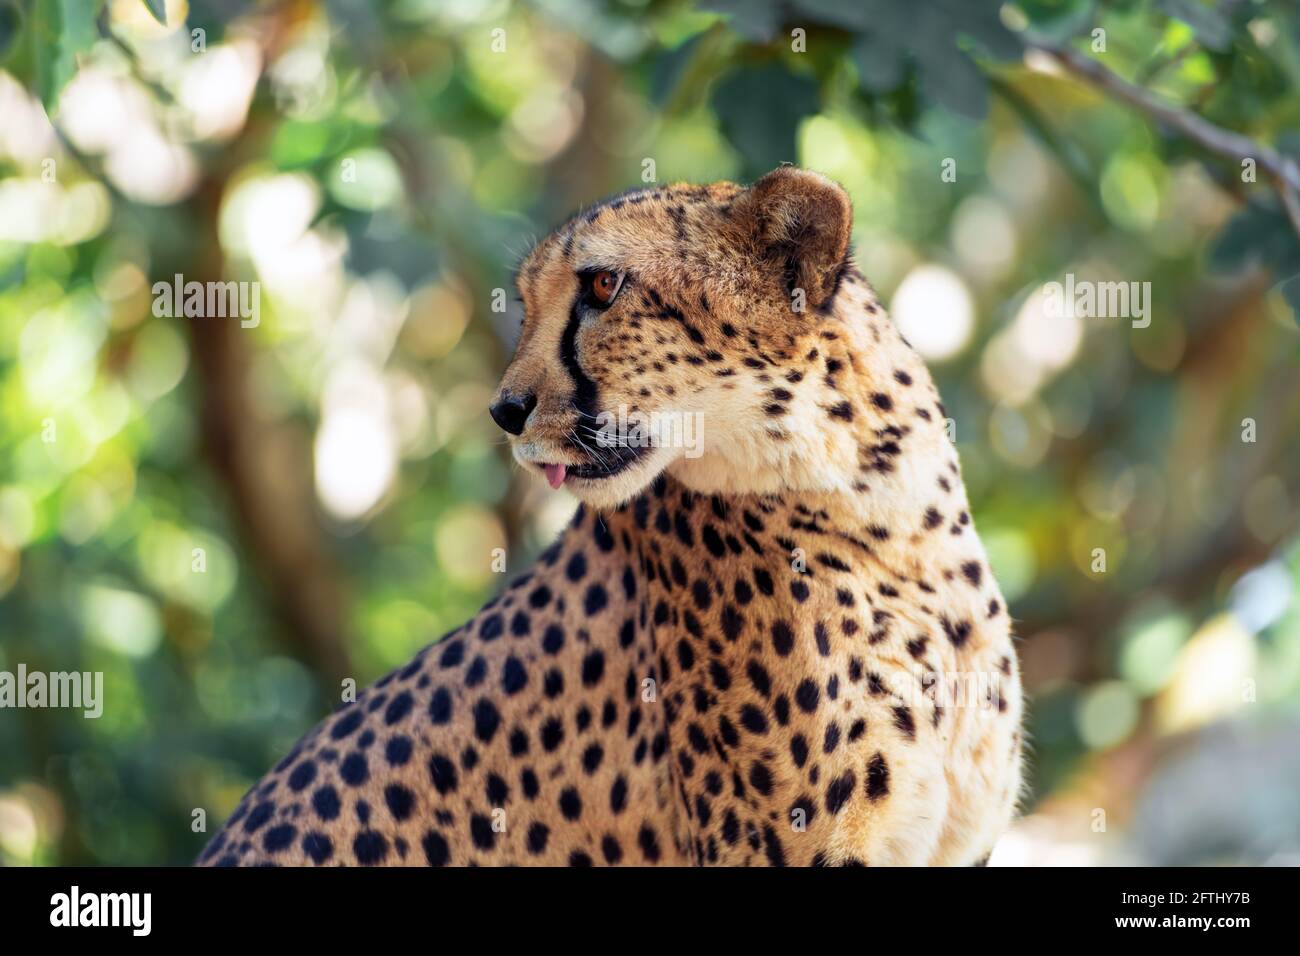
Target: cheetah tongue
{"x": 555, "y": 475}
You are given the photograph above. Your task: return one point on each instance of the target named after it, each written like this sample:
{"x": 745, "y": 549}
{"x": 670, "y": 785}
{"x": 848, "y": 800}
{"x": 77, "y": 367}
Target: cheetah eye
{"x": 601, "y": 287}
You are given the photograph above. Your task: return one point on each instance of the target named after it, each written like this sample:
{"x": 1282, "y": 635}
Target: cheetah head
{"x": 667, "y": 329}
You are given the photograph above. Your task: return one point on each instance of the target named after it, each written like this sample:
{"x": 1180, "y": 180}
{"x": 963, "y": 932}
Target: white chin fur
{"x": 611, "y": 492}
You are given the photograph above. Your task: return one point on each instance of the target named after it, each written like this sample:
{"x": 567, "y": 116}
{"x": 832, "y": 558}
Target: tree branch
{"x": 1283, "y": 170}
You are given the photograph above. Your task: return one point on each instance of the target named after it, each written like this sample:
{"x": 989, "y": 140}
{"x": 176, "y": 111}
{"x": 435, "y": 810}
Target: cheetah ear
{"x": 801, "y": 222}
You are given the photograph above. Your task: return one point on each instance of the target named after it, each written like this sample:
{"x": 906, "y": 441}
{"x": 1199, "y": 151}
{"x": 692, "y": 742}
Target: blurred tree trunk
{"x": 265, "y": 466}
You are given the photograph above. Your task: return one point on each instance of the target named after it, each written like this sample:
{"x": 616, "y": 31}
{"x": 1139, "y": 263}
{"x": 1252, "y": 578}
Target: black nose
{"x": 511, "y": 411}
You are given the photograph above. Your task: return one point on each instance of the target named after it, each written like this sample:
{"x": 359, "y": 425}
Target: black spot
{"x": 593, "y": 668}
{"x": 436, "y": 851}
{"x": 400, "y": 801}
{"x": 552, "y": 734}
{"x": 518, "y": 743}
{"x": 398, "y": 751}
{"x": 498, "y": 791}
{"x": 513, "y": 676}
{"x": 370, "y": 847}
{"x": 491, "y": 627}
{"x": 685, "y": 655}
{"x": 649, "y": 844}
{"x": 683, "y": 529}
{"x": 823, "y": 639}
{"x": 611, "y": 850}
{"x": 782, "y": 638}
{"x": 772, "y": 847}
{"x": 604, "y": 540}
{"x": 302, "y": 776}
{"x": 443, "y": 773}
{"x": 570, "y": 804}
{"x": 398, "y": 708}
{"x": 596, "y": 600}
{"x": 452, "y": 654}
{"x": 440, "y": 706}
{"x": 486, "y": 720}
{"x": 733, "y": 623}
{"x": 325, "y": 802}
{"x": 347, "y": 724}
{"x": 538, "y": 834}
{"x": 752, "y": 719}
{"x": 903, "y": 721}
{"x": 317, "y": 846}
{"x": 799, "y": 750}
{"x": 528, "y": 780}
{"x": 832, "y": 739}
{"x": 877, "y": 778}
{"x": 713, "y": 541}
{"x": 839, "y": 791}
{"x": 806, "y": 695}
{"x": 958, "y": 632}
{"x": 760, "y": 778}
{"x": 553, "y": 639}
{"x": 354, "y": 770}
{"x": 480, "y": 831}
{"x": 277, "y": 838}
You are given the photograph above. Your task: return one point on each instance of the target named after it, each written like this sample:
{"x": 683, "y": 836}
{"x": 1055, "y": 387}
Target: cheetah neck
{"x": 776, "y": 631}
{"x": 863, "y": 448}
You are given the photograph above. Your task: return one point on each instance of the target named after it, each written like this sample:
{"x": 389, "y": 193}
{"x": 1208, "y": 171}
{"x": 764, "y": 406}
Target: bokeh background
{"x": 229, "y": 521}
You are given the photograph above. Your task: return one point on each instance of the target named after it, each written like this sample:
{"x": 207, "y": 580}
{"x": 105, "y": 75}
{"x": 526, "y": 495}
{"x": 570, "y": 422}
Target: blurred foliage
{"x": 229, "y": 518}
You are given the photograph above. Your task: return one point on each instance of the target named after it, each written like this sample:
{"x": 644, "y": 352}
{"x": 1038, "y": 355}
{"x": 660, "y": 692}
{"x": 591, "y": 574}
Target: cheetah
{"x": 784, "y": 649}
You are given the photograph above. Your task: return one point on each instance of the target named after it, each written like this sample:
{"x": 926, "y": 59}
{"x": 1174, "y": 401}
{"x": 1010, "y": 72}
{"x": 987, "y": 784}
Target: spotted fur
{"x": 723, "y": 660}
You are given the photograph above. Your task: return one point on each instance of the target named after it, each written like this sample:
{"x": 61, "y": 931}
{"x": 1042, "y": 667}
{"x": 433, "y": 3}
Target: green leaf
{"x": 755, "y": 20}
{"x": 1290, "y": 289}
{"x": 836, "y": 13}
{"x": 1059, "y": 21}
{"x": 759, "y": 109}
{"x": 159, "y": 10}
{"x": 10, "y": 20}
{"x": 983, "y": 24}
{"x": 879, "y": 62}
{"x": 668, "y": 69}
{"x": 957, "y": 84}
{"x": 1211, "y": 27}
{"x": 61, "y": 30}
{"x": 1258, "y": 235}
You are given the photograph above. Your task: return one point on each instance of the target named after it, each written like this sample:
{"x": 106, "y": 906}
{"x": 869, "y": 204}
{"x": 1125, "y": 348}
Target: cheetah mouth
{"x": 611, "y": 462}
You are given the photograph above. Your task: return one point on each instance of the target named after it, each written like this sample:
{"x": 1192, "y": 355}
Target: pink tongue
{"x": 554, "y": 475}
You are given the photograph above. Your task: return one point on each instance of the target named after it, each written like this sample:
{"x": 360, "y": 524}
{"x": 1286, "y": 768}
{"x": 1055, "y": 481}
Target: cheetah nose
{"x": 511, "y": 411}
